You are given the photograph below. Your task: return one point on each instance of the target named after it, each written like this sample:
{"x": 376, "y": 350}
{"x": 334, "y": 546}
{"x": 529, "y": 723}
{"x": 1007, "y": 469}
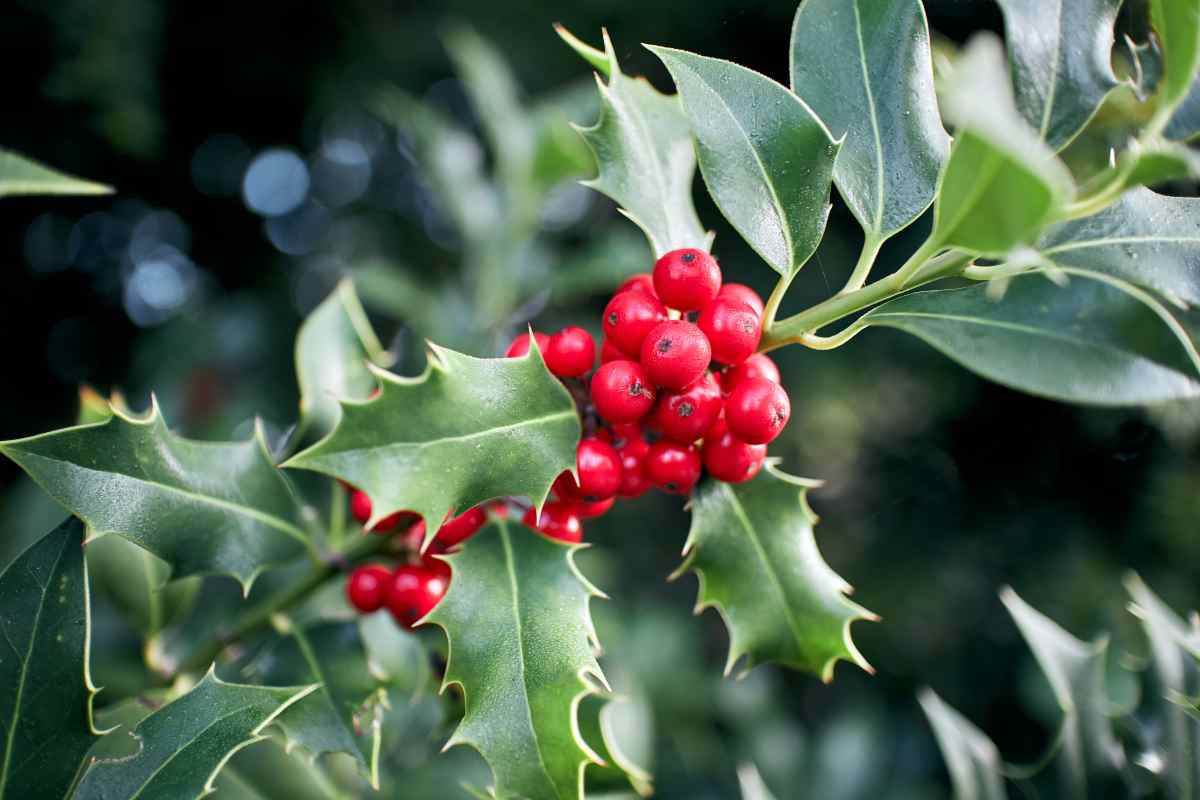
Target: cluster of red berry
{"x": 679, "y": 390}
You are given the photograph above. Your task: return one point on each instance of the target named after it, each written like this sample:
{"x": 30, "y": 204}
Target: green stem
{"x": 772, "y": 307}
{"x": 866, "y": 260}
{"x": 916, "y": 261}
{"x": 259, "y": 616}
{"x": 793, "y": 329}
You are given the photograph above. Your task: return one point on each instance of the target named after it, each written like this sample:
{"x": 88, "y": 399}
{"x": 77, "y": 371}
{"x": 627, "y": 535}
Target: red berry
{"x": 756, "y": 366}
{"x": 413, "y": 592}
{"x": 728, "y": 458}
{"x": 624, "y": 433}
{"x": 360, "y": 506}
{"x": 687, "y": 279}
{"x": 520, "y": 345}
{"x": 675, "y": 354}
{"x": 593, "y": 510}
{"x": 628, "y": 317}
{"x": 558, "y": 521}
{"x": 565, "y": 488}
{"x": 740, "y": 291}
{"x": 360, "y": 509}
{"x": 367, "y": 587}
{"x": 463, "y": 527}
{"x": 685, "y": 415}
{"x": 622, "y": 392}
{"x": 609, "y": 352}
{"x": 673, "y": 467}
{"x": 571, "y": 353}
{"x": 435, "y": 565}
{"x": 732, "y": 328}
{"x": 634, "y": 482}
{"x": 757, "y": 410}
{"x": 599, "y": 470}
{"x": 642, "y": 282}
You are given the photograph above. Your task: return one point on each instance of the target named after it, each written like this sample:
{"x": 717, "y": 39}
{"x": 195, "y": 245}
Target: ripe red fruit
{"x": 565, "y": 488}
{"x": 757, "y": 410}
{"x": 413, "y": 593}
{"x": 675, "y": 354}
{"x": 367, "y": 587}
{"x": 673, "y": 467}
{"x": 571, "y": 353}
{"x": 593, "y": 510}
{"x": 642, "y": 282}
{"x": 360, "y": 509}
{"x": 687, "y": 279}
{"x": 558, "y": 521}
{"x": 622, "y": 392}
{"x": 435, "y": 565}
{"x": 685, "y": 415}
{"x": 740, "y": 291}
{"x": 520, "y": 345}
{"x": 609, "y": 352}
{"x": 756, "y": 366}
{"x": 628, "y": 317}
{"x": 634, "y": 482}
{"x": 728, "y": 458}
{"x": 464, "y": 526}
{"x": 624, "y": 433}
{"x": 732, "y": 328}
{"x": 599, "y": 470}
{"x": 360, "y": 506}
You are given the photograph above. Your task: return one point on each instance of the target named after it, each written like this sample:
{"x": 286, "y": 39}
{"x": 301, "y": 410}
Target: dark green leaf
{"x": 1092, "y": 341}
{"x": 864, "y": 66}
{"x": 522, "y": 647}
{"x": 332, "y": 349}
{"x": 267, "y": 771}
{"x": 1177, "y": 23}
{"x": 465, "y": 431}
{"x": 752, "y": 547}
{"x": 203, "y": 507}
{"x": 24, "y": 176}
{"x": 766, "y": 158}
{"x": 45, "y": 689}
{"x": 1075, "y": 671}
{"x": 185, "y": 743}
{"x": 644, "y": 154}
{"x": 1145, "y": 238}
{"x": 1002, "y": 185}
{"x": 971, "y": 759}
{"x": 1061, "y": 54}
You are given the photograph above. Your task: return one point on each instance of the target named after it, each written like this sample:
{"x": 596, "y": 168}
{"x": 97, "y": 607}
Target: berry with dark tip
{"x": 732, "y": 328}
{"x": 622, "y": 392}
{"x": 687, "y": 279}
{"x": 685, "y": 415}
{"x": 673, "y": 467}
{"x": 675, "y": 354}
{"x": 629, "y": 317}
{"x": 757, "y": 410}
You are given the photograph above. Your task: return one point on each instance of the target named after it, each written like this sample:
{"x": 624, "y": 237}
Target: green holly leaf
{"x": 644, "y": 156}
{"x": 1177, "y": 23}
{"x": 752, "y": 548}
{"x": 24, "y": 176}
{"x": 135, "y": 580}
{"x": 1002, "y": 184}
{"x": 332, "y": 349}
{"x": 203, "y": 507}
{"x": 769, "y": 172}
{"x": 184, "y": 744}
{"x": 971, "y": 758}
{"x": 1185, "y": 120}
{"x": 1075, "y": 672}
{"x": 865, "y": 68}
{"x": 1145, "y": 238}
{"x": 268, "y": 771}
{"x": 46, "y": 690}
{"x": 345, "y": 713}
{"x": 1061, "y": 55}
{"x": 523, "y": 650}
{"x": 620, "y": 731}
{"x": 465, "y": 431}
{"x": 1098, "y": 340}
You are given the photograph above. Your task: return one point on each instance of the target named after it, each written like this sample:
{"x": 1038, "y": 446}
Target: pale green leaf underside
{"x": 620, "y": 731}
{"x": 24, "y": 176}
{"x": 465, "y": 431}
{"x": 1177, "y": 23}
{"x": 522, "y": 647}
{"x": 1002, "y": 184}
{"x": 766, "y": 158}
{"x": 1145, "y": 238}
{"x": 753, "y": 549}
{"x": 644, "y": 154}
{"x": 971, "y": 758}
{"x": 135, "y": 581}
{"x": 332, "y": 349}
{"x": 1088, "y": 342}
{"x": 45, "y": 689}
{"x": 203, "y": 507}
{"x": 865, "y": 68}
{"x": 184, "y": 744}
{"x": 1061, "y": 56}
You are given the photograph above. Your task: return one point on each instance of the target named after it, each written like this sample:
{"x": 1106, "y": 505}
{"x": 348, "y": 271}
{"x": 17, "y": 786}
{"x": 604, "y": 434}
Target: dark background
{"x": 941, "y": 488}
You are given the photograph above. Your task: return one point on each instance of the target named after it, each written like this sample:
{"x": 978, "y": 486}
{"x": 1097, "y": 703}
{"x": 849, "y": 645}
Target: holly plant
{"x": 296, "y": 594}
